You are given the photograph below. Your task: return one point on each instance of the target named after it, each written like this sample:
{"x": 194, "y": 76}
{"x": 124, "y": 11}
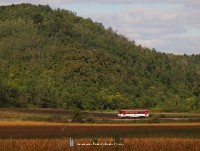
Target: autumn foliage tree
{"x": 54, "y": 58}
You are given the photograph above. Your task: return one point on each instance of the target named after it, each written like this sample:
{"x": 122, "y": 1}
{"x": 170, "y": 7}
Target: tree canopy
{"x": 54, "y": 58}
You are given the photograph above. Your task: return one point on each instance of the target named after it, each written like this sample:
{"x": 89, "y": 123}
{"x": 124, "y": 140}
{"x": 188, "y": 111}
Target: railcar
{"x": 133, "y": 113}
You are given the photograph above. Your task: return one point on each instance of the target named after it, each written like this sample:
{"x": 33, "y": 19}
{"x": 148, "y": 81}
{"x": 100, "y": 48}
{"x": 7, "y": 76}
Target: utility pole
{"x": 102, "y": 113}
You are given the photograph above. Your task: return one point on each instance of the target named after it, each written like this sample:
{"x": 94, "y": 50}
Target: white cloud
{"x": 177, "y": 45}
{"x": 163, "y": 29}
{"x": 189, "y": 2}
{"x": 132, "y": 1}
{"x": 50, "y": 2}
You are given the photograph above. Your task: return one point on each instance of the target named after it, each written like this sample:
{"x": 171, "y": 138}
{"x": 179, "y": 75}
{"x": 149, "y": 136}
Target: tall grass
{"x": 145, "y": 144}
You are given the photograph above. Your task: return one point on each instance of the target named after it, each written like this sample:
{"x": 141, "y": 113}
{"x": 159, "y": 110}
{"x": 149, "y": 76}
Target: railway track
{"x": 112, "y": 116}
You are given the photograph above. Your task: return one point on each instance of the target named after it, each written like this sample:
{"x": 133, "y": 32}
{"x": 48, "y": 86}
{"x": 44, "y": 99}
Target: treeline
{"x": 53, "y": 58}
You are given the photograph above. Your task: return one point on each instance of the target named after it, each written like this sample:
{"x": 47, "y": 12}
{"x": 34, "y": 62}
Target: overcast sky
{"x": 171, "y": 26}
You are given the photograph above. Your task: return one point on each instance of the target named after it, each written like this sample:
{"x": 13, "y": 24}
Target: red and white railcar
{"x": 133, "y": 113}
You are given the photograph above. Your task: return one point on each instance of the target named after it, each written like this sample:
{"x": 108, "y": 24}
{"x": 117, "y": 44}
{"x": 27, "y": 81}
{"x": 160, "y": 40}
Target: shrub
{"x": 77, "y": 116}
{"x": 90, "y": 120}
{"x": 154, "y": 119}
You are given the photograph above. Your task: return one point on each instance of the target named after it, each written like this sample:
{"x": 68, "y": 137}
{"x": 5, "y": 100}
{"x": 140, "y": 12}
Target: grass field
{"x": 21, "y": 131}
{"x": 64, "y": 116}
{"x": 43, "y": 136}
{"x": 135, "y": 144}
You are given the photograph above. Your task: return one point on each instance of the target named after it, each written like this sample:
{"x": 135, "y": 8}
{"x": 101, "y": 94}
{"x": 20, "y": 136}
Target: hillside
{"x": 53, "y": 58}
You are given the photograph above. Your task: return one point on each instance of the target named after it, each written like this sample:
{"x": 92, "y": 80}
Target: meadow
{"x": 39, "y": 130}
{"x": 40, "y": 136}
{"x": 134, "y": 144}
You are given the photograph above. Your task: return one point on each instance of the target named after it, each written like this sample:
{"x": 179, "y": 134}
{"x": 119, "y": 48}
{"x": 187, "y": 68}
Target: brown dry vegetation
{"x": 146, "y": 144}
{"x": 29, "y": 123}
{"x": 5, "y": 114}
{"x": 137, "y": 137}
{"x": 58, "y": 130}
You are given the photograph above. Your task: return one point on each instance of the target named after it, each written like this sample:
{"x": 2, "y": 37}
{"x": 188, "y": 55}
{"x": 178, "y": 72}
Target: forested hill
{"x": 53, "y": 58}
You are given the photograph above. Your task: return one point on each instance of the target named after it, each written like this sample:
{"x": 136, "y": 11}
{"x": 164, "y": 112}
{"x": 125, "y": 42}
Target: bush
{"x": 94, "y": 141}
{"x": 90, "y": 120}
{"x": 116, "y": 138}
{"x": 162, "y": 116}
{"x": 154, "y": 119}
{"x": 77, "y": 116}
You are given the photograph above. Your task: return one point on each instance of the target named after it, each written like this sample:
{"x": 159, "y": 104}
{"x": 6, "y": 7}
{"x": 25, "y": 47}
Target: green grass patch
{"x": 47, "y": 118}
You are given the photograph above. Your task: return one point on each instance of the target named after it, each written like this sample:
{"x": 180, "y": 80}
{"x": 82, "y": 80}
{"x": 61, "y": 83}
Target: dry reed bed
{"x": 145, "y": 144}
{"x": 58, "y": 130}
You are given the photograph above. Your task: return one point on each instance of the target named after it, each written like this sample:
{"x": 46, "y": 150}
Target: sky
{"x": 170, "y": 26}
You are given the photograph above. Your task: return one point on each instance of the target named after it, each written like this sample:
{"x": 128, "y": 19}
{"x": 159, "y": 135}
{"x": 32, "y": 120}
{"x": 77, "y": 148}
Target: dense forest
{"x": 56, "y": 59}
